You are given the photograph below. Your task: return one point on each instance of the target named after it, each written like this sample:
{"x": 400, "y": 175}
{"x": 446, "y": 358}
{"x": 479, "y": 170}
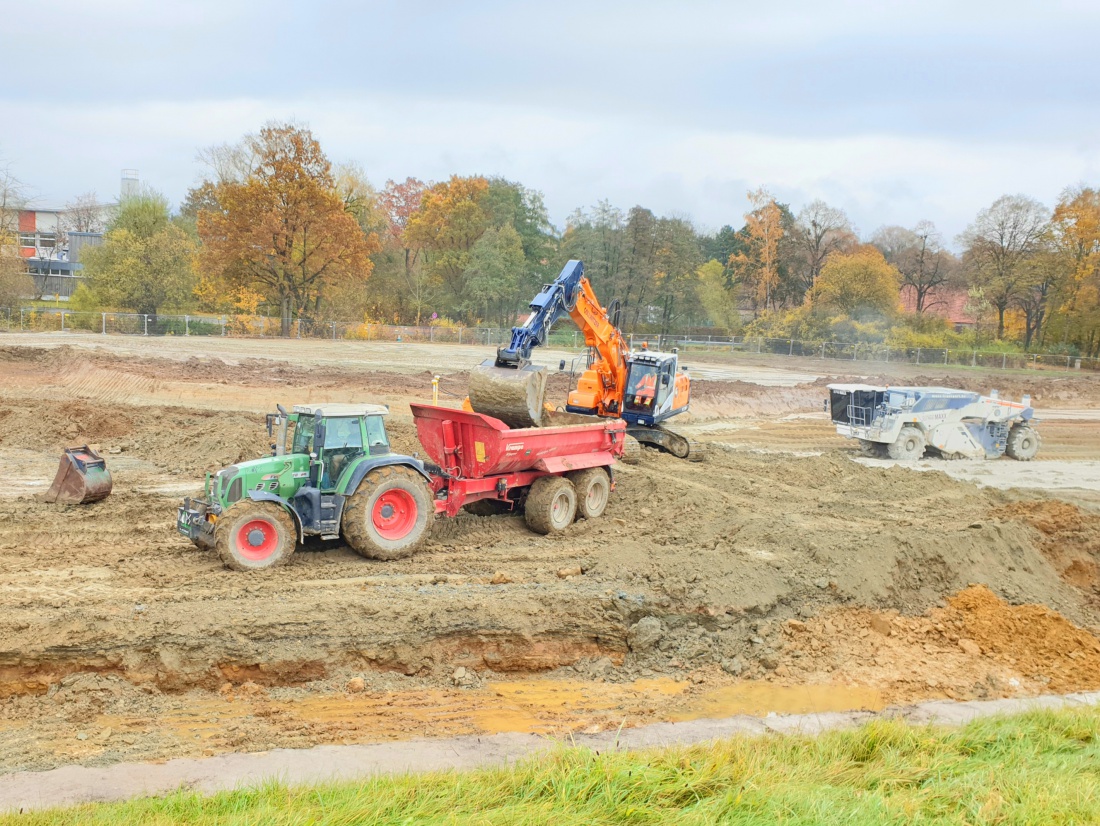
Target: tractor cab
{"x": 333, "y": 436}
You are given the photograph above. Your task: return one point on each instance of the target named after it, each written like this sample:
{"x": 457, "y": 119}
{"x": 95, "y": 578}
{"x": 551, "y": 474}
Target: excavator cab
{"x": 650, "y": 388}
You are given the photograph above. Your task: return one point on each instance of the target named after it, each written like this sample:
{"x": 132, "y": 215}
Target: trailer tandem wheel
{"x": 593, "y": 488}
{"x": 551, "y": 505}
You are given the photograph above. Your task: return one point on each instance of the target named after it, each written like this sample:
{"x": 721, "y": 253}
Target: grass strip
{"x": 1042, "y": 767}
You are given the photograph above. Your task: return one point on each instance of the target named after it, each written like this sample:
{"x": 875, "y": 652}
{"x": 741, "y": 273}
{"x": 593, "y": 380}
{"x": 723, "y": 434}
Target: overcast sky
{"x": 895, "y": 112}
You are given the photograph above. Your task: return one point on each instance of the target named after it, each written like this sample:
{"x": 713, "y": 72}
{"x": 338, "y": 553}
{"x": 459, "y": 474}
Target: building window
{"x": 46, "y": 240}
{"x": 26, "y": 239}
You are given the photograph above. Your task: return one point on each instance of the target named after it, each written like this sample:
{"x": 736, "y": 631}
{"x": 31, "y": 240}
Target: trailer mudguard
{"x": 349, "y": 483}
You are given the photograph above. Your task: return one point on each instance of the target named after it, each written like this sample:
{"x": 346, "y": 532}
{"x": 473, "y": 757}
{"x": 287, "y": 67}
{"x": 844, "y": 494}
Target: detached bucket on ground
{"x": 515, "y": 396}
{"x": 82, "y": 477}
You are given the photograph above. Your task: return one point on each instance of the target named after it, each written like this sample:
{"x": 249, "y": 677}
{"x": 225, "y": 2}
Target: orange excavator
{"x": 643, "y": 388}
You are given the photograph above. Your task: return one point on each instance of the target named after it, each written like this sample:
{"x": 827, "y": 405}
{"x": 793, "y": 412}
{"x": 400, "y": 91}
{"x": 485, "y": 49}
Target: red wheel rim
{"x": 256, "y": 540}
{"x": 394, "y": 514}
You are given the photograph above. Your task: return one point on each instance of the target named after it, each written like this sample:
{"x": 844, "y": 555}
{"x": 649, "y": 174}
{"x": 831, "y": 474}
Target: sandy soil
{"x": 782, "y": 575}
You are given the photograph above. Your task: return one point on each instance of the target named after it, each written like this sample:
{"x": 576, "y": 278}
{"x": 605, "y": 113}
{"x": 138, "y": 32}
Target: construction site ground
{"x": 783, "y": 575}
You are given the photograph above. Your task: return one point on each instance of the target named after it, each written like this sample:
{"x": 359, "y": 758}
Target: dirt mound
{"x": 976, "y": 647}
{"x": 1069, "y": 538}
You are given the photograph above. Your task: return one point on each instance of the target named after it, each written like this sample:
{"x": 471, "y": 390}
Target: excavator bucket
{"x": 82, "y": 477}
{"x": 515, "y": 396}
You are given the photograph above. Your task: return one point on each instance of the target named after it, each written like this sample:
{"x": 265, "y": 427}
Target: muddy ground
{"x": 782, "y": 575}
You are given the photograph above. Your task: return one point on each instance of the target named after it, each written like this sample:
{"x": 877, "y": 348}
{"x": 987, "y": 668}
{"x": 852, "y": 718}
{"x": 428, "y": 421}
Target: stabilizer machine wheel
{"x": 869, "y": 449}
{"x": 909, "y": 446}
{"x": 252, "y": 535}
{"x": 593, "y": 489}
{"x": 1023, "y": 443}
{"x": 389, "y": 515}
{"x": 551, "y": 505}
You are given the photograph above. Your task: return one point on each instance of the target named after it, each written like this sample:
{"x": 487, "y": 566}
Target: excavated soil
{"x": 761, "y": 580}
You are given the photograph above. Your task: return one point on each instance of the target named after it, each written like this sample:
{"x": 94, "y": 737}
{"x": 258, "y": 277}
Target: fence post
{"x": 459, "y": 335}
{"x": 334, "y": 331}
{"x": 887, "y": 355}
{"x": 431, "y": 334}
{"x": 945, "y": 352}
{"x": 104, "y": 324}
{"x": 1067, "y": 364}
{"x": 973, "y": 358}
{"x": 1004, "y": 360}
{"x": 918, "y": 355}
{"x": 187, "y": 325}
{"x": 790, "y": 347}
{"x": 146, "y": 318}
{"x": 62, "y": 321}
{"x": 223, "y": 326}
{"x": 20, "y": 318}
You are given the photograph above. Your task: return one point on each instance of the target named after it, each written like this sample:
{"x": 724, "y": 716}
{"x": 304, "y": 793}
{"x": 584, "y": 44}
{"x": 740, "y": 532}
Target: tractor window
{"x": 341, "y": 433}
{"x": 376, "y": 435}
{"x": 303, "y": 434}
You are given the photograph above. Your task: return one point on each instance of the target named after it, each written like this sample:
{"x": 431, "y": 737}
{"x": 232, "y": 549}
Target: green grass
{"x": 1041, "y": 768}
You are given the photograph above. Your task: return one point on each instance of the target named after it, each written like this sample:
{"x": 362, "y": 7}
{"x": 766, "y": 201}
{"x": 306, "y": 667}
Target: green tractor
{"x": 330, "y": 474}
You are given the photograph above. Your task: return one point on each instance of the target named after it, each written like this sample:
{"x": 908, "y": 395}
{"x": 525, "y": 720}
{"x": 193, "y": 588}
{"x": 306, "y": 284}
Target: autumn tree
{"x": 145, "y": 261}
{"x": 451, "y": 218}
{"x": 820, "y": 230}
{"x": 858, "y": 285}
{"x": 281, "y": 227}
{"x": 1075, "y": 240}
{"x": 919, "y": 256}
{"x": 756, "y": 266}
{"x": 403, "y": 273}
{"x": 717, "y": 295}
{"x": 998, "y": 245}
{"x": 495, "y": 275}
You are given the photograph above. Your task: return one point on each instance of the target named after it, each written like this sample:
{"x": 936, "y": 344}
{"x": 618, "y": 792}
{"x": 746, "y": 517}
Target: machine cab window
{"x": 376, "y": 436}
{"x": 641, "y": 387}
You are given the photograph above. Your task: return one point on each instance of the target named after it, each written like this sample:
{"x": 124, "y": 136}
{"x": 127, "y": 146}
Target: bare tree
{"x": 999, "y": 245}
{"x": 13, "y": 199}
{"x": 919, "y": 256}
{"x": 821, "y": 230}
{"x": 85, "y": 214}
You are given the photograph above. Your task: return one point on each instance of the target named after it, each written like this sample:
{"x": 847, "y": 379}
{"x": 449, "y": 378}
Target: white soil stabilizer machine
{"x": 904, "y": 422}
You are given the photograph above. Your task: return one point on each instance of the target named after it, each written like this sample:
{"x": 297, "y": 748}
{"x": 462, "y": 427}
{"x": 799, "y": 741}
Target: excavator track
{"x": 669, "y": 441}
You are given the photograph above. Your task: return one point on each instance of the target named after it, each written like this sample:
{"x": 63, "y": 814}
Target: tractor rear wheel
{"x": 389, "y": 515}
{"x": 909, "y": 446}
{"x": 551, "y": 505}
{"x": 593, "y": 490}
{"x": 254, "y": 535}
{"x": 1023, "y": 443}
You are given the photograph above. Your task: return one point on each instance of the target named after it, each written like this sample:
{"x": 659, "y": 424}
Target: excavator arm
{"x": 553, "y": 301}
{"x": 512, "y": 390}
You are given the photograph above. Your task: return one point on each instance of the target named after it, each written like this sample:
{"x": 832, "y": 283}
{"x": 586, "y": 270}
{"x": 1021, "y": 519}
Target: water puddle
{"x": 760, "y": 699}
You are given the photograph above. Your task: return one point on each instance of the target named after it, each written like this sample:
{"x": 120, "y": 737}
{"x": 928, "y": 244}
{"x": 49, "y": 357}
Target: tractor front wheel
{"x": 389, "y": 516}
{"x": 254, "y": 535}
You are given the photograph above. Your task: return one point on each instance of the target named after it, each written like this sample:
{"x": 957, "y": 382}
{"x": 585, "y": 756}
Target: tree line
{"x": 275, "y": 228}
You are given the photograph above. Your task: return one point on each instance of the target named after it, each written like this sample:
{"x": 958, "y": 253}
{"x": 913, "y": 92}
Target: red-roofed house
{"x": 944, "y": 302}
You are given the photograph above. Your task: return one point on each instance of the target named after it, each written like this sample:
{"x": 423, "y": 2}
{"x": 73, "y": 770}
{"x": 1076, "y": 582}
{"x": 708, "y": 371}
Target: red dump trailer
{"x": 560, "y": 472}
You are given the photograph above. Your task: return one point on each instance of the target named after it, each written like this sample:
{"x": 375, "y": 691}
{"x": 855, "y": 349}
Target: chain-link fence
{"x": 49, "y": 319}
